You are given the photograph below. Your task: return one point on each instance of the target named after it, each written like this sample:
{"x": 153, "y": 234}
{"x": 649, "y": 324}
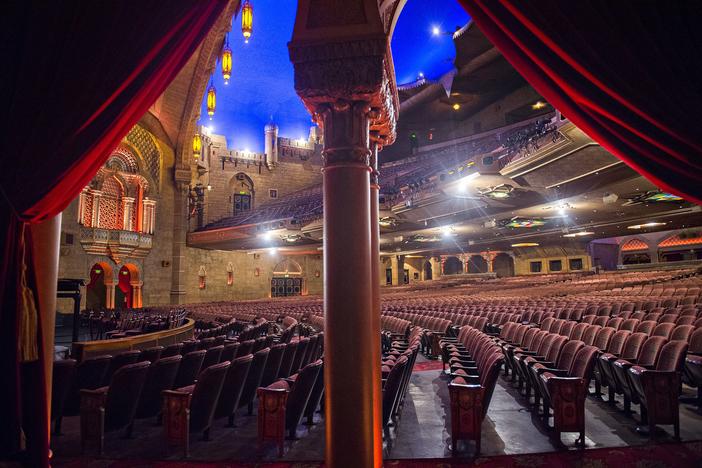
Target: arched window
{"x": 242, "y": 193}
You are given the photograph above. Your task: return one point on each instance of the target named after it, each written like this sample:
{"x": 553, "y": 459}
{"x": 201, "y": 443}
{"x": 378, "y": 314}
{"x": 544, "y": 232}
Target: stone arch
{"x": 243, "y": 193}
{"x": 427, "y": 269}
{"x": 503, "y": 265}
{"x": 453, "y": 266}
{"x": 477, "y": 264}
{"x": 288, "y": 267}
{"x": 633, "y": 245}
{"x": 100, "y": 281}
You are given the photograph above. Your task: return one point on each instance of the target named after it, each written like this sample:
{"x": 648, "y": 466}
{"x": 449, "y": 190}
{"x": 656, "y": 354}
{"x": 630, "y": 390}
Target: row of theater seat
{"x": 111, "y": 392}
{"x": 553, "y": 343}
{"x": 474, "y": 362}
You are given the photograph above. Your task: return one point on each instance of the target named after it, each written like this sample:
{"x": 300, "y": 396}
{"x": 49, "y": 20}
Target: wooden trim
{"x": 86, "y": 349}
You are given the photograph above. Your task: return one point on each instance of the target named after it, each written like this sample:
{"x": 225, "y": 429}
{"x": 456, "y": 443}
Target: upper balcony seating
{"x": 657, "y": 388}
{"x": 111, "y": 408}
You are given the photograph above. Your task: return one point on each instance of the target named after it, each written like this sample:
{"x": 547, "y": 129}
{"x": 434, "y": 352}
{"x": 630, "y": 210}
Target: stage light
{"x": 456, "y": 106}
{"x": 435, "y": 31}
{"x": 538, "y": 105}
{"x": 526, "y": 244}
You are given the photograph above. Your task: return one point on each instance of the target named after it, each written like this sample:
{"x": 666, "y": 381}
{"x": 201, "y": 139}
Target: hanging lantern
{"x": 211, "y": 100}
{"x": 197, "y": 146}
{"x": 246, "y": 20}
{"x": 226, "y": 62}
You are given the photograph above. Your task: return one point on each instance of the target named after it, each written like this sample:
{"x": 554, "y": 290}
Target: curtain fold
{"x": 627, "y": 73}
{"x": 77, "y": 76}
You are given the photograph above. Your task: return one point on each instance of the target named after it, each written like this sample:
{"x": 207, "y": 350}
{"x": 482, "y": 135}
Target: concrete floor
{"x": 422, "y": 432}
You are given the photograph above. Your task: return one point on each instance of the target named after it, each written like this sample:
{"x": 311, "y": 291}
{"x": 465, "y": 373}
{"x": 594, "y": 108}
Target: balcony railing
{"x": 116, "y": 244}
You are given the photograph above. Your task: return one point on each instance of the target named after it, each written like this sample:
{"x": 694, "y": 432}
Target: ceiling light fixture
{"x": 526, "y": 244}
{"x": 579, "y": 234}
{"x": 435, "y": 31}
{"x": 646, "y": 225}
{"x": 538, "y": 105}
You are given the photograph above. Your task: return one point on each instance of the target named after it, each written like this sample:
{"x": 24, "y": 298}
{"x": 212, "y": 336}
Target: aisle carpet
{"x": 427, "y": 366}
{"x": 681, "y": 455}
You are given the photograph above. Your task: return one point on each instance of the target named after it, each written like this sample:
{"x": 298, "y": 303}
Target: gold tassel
{"x": 27, "y": 309}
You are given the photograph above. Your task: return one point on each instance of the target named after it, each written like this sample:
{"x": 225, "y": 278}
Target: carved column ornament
{"x": 346, "y": 126}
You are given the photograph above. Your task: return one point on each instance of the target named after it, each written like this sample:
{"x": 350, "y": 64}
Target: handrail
{"x": 85, "y": 349}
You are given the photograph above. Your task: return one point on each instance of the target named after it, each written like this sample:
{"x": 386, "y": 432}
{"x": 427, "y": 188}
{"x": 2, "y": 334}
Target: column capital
{"x": 346, "y": 126}
{"x": 354, "y": 69}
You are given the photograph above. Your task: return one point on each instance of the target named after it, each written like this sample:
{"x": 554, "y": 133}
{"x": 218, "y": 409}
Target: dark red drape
{"x": 626, "y": 72}
{"x": 77, "y": 75}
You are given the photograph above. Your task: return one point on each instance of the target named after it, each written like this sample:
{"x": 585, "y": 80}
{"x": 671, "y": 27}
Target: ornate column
{"x": 443, "y": 265}
{"x": 346, "y": 82}
{"x": 149, "y": 216}
{"x": 127, "y": 213}
{"x": 349, "y": 377}
{"x": 95, "y": 218}
{"x": 464, "y": 260}
{"x": 137, "y": 301}
{"x": 180, "y": 226}
{"x": 394, "y": 265}
{"x": 110, "y": 295}
{"x": 375, "y": 273}
{"x": 489, "y": 257}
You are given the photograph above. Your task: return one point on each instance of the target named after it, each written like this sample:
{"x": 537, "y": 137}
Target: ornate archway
{"x": 503, "y": 265}
{"x": 100, "y": 288}
{"x": 477, "y": 264}
{"x": 453, "y": 266}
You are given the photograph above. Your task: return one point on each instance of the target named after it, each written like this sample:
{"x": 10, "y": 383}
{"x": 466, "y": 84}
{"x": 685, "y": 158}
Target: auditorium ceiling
{"x": 475, "y": 194}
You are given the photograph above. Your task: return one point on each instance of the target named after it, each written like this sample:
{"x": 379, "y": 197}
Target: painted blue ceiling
{"x": 262, "y": 82}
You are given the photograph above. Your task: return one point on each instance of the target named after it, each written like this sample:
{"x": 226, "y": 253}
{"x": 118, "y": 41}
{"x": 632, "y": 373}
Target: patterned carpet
{"x": 682, "y": 455}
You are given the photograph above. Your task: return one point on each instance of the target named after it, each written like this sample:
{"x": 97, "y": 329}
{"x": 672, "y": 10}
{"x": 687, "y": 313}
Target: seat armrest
{"x": 471, "y": 379}
{"x": 553, "y": 370}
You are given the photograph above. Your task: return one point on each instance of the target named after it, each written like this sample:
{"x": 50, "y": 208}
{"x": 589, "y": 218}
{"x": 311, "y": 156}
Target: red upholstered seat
{"x": 658, "y": 389}
{"x": 566, "y": 394}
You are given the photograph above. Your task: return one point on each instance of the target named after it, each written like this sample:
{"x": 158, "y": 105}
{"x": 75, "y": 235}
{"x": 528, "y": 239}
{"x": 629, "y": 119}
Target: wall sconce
{"x": 316, "y": 274}
{"x": 257, "y": 272}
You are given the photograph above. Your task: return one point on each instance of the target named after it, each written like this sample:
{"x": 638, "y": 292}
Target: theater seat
{"x": 191, "y": 409}
{"x": 119, "y": 360}
{"x": 658, "y": 389}
{"x": 253, "y": 379}
{"x": 647, "y": 357}
{"x": 282, "y": 404}
{"x": 152, "y": 354}
{"x": 232, "y": 388}
{"x": 189, "y": 368}
{"x": 111, "y": 408}
{"x": 565, "y": 392}
{"x": 470, "y": 402}
{"x": 89, "y": 375}
{"x": 161, "y": 376}
{"x": 63, "y": 377}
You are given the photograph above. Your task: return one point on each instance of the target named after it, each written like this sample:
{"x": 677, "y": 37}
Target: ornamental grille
{"x": 142, "y": 140}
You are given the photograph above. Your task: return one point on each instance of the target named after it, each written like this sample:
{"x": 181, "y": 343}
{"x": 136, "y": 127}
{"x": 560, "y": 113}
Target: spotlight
{"x": 446, "y": 231}
{"x": 266, "y": 236}
{"x": 456, "y": 106}
{"x": 435, "y": 31}
{"x": 273, "y": 251}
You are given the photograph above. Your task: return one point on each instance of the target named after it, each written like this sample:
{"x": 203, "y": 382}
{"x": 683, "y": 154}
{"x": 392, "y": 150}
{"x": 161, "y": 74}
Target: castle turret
{"x": 271, "y": 144}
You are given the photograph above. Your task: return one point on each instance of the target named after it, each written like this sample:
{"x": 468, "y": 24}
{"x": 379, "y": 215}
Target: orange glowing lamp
{"x": 197, "y": 146}
{"x": 226, "y": 62}
{"x": 211, "y": 100}
{"x": 246, "y": 20}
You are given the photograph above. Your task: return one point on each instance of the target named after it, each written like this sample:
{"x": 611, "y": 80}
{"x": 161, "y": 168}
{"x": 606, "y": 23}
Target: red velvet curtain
{"x": 626, "y": 72}
{"x": 77, "y": 75}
